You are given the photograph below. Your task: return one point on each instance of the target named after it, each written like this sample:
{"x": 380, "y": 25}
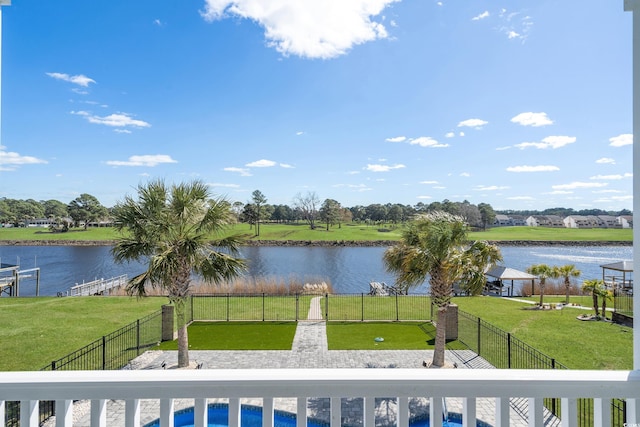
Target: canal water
{"x": 349, "y": 269}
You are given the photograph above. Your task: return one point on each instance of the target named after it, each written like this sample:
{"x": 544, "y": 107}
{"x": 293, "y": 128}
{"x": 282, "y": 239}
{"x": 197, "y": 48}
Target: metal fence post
{"x": 326, "y": 307}
{"x": 53, "y": 365}
{"x": 227, "y": 306}
{"x": 104, "y": 353}
{"x": 397, "y": 310}
{"x": 297, "y": 306}
{"x": 138, "y": 337}
{"x": 479, "y": 334}
{"x": 362, "y": 306}
{"x": 191, "y": 298}
{"x": 263, "y": 306}
{"x": 509, "y": 350}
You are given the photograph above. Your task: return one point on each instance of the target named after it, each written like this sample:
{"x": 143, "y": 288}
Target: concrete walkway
{"x": 310, "y": 351}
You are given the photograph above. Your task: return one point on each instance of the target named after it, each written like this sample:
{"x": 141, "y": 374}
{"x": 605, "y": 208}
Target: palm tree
{"x": 435, "y": 246}
{"x": 172, "y": 228}
{"x": 566, "y": 272}
{"x": 543, "y": 271}
{"x": 595, "y": 287}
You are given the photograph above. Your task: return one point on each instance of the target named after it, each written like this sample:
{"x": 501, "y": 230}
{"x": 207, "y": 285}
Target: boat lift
{"x": 11, "y": 276}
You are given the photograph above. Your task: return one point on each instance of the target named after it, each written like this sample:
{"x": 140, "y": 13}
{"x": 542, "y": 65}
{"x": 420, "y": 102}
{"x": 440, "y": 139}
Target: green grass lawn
{"x": 36, "y": 331}
{"x": 347, "y": 232}
{"x": 237, "y": 336}
{"x": 396, "y": 335}
{"x": 557, "y": 333}
{"x": 553, "y": 234}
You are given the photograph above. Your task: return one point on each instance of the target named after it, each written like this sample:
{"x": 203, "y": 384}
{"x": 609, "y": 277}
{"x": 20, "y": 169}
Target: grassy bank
{"x": 557, "y": 333}
{"x": 348, "y": 233}
{"x": 36, "y": 331}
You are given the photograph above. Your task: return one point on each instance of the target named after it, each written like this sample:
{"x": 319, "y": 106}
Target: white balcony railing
{"x": 164, "y": 386}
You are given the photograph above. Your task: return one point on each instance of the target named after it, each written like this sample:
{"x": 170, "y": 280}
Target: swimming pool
{"x": 251, "y": 416}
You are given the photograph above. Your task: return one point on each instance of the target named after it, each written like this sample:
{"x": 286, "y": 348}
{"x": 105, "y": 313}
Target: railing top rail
{"x": 319, "y": 382}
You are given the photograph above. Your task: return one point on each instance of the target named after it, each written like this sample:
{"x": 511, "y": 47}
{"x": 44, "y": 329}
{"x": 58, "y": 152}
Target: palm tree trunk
{"x": 567, "y": 286}
{"x": 604, "y": 307}
{"x": 441, "y": 337}
{"x": 183, "y": 338}
{"x": 594, "y": 295}
{"x": 541, "y": 292}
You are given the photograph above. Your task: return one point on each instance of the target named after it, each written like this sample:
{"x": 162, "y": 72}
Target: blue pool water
{"x": 251, "y": 416}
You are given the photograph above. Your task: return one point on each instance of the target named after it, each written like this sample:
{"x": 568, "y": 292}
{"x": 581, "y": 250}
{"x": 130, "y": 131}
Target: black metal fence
{"x": 112, "y": 351}
{"x": 361, "y": 307}
{"x": 623, "y": 304}
{"x": 505, "y": 351}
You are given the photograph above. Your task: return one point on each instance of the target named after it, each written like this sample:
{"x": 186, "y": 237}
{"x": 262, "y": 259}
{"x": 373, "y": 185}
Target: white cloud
{"x": 520, "y": 198}
{"x": 621, "y": 140}
{"x": 383, "y": 168}
{"x": 606, "y": 161}
{"x": 80, "y": 79}
{"x": 263, "y": 163}
{"x": 607, "y": 191}
{"x": 560, "y": 192}
{"x": 612, "y": 177}
{"x": 425, "y": 197}
{"x": 428, "y": 182}
{"x": 483, "y": 15}
{"x": 473, "y": 123}
{"x": 532, "y": 119}
{"x": 514, "y": 25}
{"x": 461, "y": 134}
{"x": 113, "y": 120}
{"x": 490, "y": 187}
{"x": 150, "y": 160}
{"x": 9, "y": 160}
{"x": 426, "y": 141}
{"x": 241, "y": 171}
{"x": 578, "y": 185}
{"x": 122, "y": 130}
{"x": 308, "y": 29}
{"x": 503, "y": 148}
{"x": 465, "y": 174}
{"x": 299, "y": 133}
{"x": 397, "y": 139}
{"x": 286, "y": 166}
{"x": 539, "y": 168}
{"x": 449, "y": 134}
{"x": 552, "y": 142}
{"x": 218, "y": 184}
{"x": 158, "y": 22}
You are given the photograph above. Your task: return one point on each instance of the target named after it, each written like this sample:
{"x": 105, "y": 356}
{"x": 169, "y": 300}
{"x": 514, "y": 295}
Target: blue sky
{"x": 523, "y": 104}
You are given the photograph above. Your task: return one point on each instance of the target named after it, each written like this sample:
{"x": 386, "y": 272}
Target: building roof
{"x": 506, "y": 273}
{"x": 619, "y": 266}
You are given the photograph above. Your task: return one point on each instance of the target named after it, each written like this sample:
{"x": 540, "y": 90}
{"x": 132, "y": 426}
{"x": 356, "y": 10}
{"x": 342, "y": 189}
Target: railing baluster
{"x": 267, "y": 412}
{"x": 569, "y": 411}
{"x": 601, "y": 412}
{"x": 536, "y": 416}
{"x": 2, "y": 412}
{"x": 132, "y": 413}
{"x": 301, "y": 412}
{"x": 99, "y": 413}
{"x": 435, "y": 411}
{"x": 369, "y": 406}
{"x": 234, "y": 412}
{"x": 336, "y": 412}
{"x": 502, "y": 412}
{"x": 468, "y": 412}
{"x": 200, "y": 412}
{"x": 29, "y": 413}
{"x": 166, "y": 413}
{"x": 403, "y": 412}
{"x": 633, "y": 411}
{"x": 64, "y": 413}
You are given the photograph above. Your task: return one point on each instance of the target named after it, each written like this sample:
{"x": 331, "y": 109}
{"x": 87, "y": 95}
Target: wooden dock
{"x": 97, "y": 287}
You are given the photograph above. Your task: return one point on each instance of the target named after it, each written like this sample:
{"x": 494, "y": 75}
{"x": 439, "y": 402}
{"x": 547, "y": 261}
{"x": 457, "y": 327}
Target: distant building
{"x": 625, "y": 221}
{"x": 545, "y": 221}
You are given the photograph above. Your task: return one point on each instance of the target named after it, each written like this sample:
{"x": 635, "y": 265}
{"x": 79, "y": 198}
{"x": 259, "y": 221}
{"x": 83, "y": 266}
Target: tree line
{"x": 307, "y": 208}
